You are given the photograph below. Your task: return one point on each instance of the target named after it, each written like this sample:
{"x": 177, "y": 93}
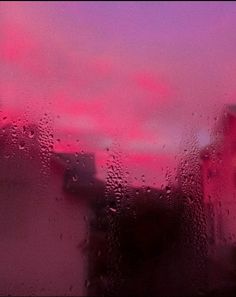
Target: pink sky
{"x": 140, "y": 74}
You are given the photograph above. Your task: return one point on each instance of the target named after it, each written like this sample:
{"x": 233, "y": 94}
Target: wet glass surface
{"x": 117, "y": 149}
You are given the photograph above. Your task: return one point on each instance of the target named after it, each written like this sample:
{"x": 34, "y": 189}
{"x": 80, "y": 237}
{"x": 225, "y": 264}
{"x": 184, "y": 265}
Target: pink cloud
{"x": 150, "y": 83}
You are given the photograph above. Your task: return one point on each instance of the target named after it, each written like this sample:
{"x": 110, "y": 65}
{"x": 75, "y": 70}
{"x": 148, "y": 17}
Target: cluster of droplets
{"x": 193, "y": 216}
{"x": 115, "y": 181}
{"x": 115, "y": 195}
{"x": 45, "y": 139}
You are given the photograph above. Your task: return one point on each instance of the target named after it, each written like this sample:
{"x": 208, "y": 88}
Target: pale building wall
{"x": 42, "y": 231}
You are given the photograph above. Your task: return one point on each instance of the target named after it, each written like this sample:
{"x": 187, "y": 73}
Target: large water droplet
{"x": 74, "y": 178}
{"x": 113, "y": 209}
{"x": 31, "y": 133}
{"x": 22, "y": 145}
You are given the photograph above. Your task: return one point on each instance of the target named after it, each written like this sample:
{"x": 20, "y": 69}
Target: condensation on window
{"x": 117, "y": 149}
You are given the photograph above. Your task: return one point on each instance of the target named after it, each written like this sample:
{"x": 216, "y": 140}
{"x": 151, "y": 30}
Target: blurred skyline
{"x": 140, "y": 74}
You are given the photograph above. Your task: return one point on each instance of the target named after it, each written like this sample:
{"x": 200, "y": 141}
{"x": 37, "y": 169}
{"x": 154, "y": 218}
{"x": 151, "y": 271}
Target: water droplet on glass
{"x": 168, "y": 190}
{"x": 21, "y": 145}
{"x": 31, "y": 133}
{"x": 87, "y": 283}
{"x": 74, "y": 178}
{"x": 113, "y": 209}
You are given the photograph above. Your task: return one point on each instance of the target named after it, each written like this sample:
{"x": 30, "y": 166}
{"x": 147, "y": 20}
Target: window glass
{"x": 117, "y": 148}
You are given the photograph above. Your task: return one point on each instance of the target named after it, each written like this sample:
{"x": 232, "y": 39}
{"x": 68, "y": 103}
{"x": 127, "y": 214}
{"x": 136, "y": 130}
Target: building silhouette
{"x": 71, "y": 233}
{"x": 218, "y": 171}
